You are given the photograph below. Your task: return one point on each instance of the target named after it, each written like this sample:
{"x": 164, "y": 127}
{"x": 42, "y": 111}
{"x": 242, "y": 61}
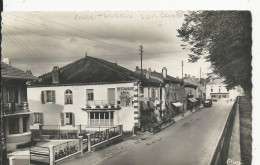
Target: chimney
{"x": 28, "y": 72}
{"x": 7, "y": 61}
{"x": 164, "y": 72}
{"x": 56, "y": 75}
{"x": 136, "y": 69}
{"x": 148, "y": 73}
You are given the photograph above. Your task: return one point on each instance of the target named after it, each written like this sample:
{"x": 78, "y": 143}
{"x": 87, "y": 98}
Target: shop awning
{"x": 194, "y": 99}
{"x": 177, "y": 104}
{"x": 191, "y": 100}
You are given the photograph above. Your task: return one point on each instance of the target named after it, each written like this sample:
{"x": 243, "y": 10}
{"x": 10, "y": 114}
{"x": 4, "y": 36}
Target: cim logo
{"x": 234, "y": 162}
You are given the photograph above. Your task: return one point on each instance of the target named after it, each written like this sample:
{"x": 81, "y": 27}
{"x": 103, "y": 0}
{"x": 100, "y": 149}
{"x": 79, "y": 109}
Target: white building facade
{"x": 217, "y": 89}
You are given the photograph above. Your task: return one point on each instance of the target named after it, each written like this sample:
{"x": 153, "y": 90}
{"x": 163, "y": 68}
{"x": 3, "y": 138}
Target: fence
{"x": 39, "y": 155}
{"x": 65, "y": 149}
{"x": 91, "y": 141}
{"x": 222, "y": 150}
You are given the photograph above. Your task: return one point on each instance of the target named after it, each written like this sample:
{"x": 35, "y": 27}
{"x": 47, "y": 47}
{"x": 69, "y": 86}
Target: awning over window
{"x": 194, "y": 99}
{"x": 191, "y": 100}
{"x": 177, "y": 104}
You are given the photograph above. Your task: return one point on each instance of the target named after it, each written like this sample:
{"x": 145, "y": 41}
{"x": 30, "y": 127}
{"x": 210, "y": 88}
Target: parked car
{"x": 214, "y": 99}
{"x": 207, "y": 103}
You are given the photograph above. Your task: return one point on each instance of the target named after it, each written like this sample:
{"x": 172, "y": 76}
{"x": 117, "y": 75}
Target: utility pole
{"x": 183, "y": 90}
{"x": 200, "y": 75}
{"x": 141, "y": 53}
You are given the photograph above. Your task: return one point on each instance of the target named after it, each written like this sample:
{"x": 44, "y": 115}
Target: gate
{"x": 39, "y": 155}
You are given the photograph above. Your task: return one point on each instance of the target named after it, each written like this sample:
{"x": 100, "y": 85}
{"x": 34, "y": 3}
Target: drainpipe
{"x": 139, "y": 113}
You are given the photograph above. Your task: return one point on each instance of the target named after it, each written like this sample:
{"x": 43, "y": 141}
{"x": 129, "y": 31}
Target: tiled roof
{"x": 168, "y": 78}
{"x": 93, "y": 70}
{"x": 217, "y": 82}
{"x": 8, "y": 71}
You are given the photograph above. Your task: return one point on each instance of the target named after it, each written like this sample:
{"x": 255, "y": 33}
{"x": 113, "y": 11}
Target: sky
{"x": 38, "y": 41}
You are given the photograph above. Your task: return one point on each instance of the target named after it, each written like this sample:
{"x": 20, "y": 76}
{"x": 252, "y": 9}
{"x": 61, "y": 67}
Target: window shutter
{"x": 53, "y": 96}
{"x": 62, "y": 118}
{"x": 41, "y": 118}
{"x": 31, "y": 118}
{"x": 73, "y": 119}
{"x": 42, "y": 97}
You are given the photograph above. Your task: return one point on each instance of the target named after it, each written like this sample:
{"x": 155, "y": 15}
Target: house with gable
{"x": 14, "y": 107}
{"x": 91, "y": 93}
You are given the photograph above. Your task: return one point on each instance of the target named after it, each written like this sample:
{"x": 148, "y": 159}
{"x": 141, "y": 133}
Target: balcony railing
{"x": 94, "y": 104}
{"x": 13, "y": 108}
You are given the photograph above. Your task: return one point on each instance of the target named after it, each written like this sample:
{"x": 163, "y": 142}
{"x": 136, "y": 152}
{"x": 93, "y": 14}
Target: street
{"x": 189, "y": 141}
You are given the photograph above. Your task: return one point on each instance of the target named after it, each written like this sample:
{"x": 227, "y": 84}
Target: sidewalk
{"x": 128, "y": 142}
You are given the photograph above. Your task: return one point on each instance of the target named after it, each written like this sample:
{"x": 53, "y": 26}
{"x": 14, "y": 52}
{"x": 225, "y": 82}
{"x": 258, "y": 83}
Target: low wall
{"x": 19, "y": 160}
{"x": 106, "y": 143}
{"x": 13, "y": 140}
{"x": 69, "y": 157}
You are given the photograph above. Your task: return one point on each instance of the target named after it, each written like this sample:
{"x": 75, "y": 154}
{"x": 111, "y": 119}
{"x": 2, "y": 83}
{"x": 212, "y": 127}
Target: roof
{"x": 9, "y": 71}
{"x": 217, "y": 82}
{"x": 93, "y": 70}
{"x": 168, "y": 78}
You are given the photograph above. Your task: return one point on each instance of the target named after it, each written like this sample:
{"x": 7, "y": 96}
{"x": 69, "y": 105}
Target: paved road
{"x": 190, "y": 141}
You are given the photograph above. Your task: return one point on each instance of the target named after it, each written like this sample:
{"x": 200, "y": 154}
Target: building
{"x": 91, "y": 93}
{"x": 14, "y": 106}
{"x": 218, "y": 89}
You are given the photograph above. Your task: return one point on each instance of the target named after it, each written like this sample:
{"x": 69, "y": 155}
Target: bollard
{"x": 40, "y": 132}
{"x": 81, "y": 144}
{"x": 107, "y": 134}
{"x": 52, "y": 155}
{"x": 89, "y": 143}
{"x": 121, "y": 129}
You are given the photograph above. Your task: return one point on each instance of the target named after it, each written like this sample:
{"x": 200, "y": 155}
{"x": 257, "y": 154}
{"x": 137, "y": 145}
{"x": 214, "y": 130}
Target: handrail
{"x": 220, "y": 155}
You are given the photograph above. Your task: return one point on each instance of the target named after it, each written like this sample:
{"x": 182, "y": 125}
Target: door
{"x": 111, "y": 95}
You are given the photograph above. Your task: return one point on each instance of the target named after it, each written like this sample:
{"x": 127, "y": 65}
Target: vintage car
{"x": 207, "y": 103}
{"x": 214, "y": 99}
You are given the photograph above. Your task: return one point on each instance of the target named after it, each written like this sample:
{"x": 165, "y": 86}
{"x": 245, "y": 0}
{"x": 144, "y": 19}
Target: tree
{"x": 223, "y": 38}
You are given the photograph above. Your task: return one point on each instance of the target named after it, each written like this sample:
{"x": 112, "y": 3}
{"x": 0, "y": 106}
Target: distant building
{"x": 93, "y": 94}
{"x": 177, "y": 95}
{"x": 14, "y": 106}
{"x": 218, "y": 89}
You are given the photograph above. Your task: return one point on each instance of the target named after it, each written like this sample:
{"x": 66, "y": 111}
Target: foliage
{"x": 147, "y": 120}
{"x": 26, "y": 145}
{"x": 224, "y": 38}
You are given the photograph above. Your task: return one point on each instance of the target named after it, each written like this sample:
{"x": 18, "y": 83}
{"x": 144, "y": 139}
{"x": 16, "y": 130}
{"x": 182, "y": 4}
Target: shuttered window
{"x": 48, "y": 96}
{"x": 67, "y": 118}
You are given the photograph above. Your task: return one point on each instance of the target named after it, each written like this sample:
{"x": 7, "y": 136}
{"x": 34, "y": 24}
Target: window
{"x": 37, "y": 118}
{"x": 25, "y": 121}
{"x": 211, "y": 88}
{"x": 101, "y": 118}
{"x": 48, "y": 96}
{"x": 68, "y": 97}
{"x": 90, "y": 94}
{"x": 68, "y": 118}
{"x": 13, "y": 125}
{"x": 12, "y": 95}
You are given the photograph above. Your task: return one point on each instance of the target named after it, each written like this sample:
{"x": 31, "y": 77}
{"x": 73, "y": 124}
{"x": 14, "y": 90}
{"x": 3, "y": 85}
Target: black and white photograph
{"x": 127, "y": 87}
